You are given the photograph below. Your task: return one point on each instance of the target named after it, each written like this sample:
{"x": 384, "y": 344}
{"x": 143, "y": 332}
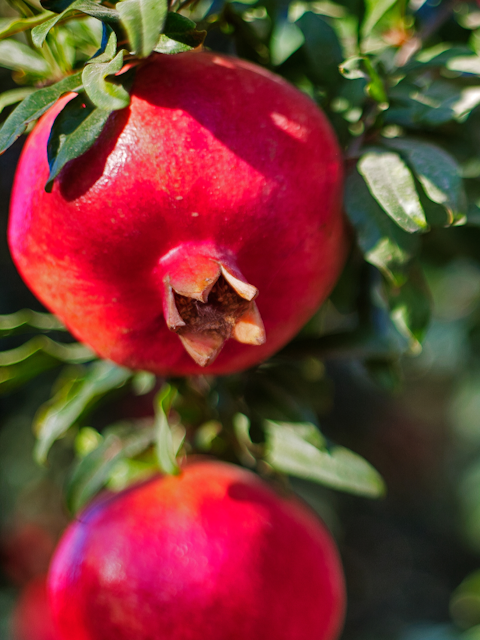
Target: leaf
{"x": 88, "y": 7}
{"x": 108, "y": 46}
{"x": 27, "y": 319}
{"x": 33, "y": 107}
{"x": 8, "y": 98}
{"x": 105, "y": 94}
{"x": 410, "y": 307}
{"x": 391, "y": 184}
{"x": 383, "y": 243}
{"x": 120, "y": 442}
{"x": 321, "y": 46}
{"x": 39, "y": 354}
{"x": 143, "y": 21}
{"x": 18, "y": 56}
{"x": 180, "y": 34}
{"x": 286, "y": 38}
{"x": 165, "y": 446}
{"x": 300, "y": 450}
{"x": 438, "y": 172}
{"x": 376, "y": 9}
{"x": 17, "y": 25}
{"x": 65, "y": 409}
{"x": 74, "y": 131}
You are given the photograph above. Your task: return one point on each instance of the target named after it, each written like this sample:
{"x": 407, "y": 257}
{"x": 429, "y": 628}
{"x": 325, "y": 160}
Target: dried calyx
{"x": 208, "y": 301}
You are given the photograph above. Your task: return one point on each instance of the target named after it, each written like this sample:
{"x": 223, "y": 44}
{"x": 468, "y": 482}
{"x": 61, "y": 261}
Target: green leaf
{"x": 376, "y": 9}
{"x": 180, "y": 34}
{"x": 18, "y": 56}
{"x": 88, "y": 7}
{"x": 66, "y": 408}
{"x": 411, "y": 307}
{"x": 108, "y": 46}
{"x": 166, "y": 447}
{"x": 8, "y": 98}
{"x": 120, "y": 442}
{"x": 383, "y": 243}
{"x": 39, "y": 354}
{"x": 104, "y": 94}
{"x": 33, "y": 107}
{"x": 26, "y": 319}
{"x": 15, "y": 25}
{"x": 74, "y": 131}
{"x": 143, "y": 21}
{"x": 300, "y": 450}
{"x": 322, "y": 47}
{"x": 438, "y": 172}
{"x": 286, "y": 38}
{"x": 392, "y": 185}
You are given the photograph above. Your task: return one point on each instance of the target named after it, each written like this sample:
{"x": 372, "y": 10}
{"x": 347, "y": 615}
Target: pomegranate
{"x": 212, "y": 553}
{"x": 219, "y": 183}
{"x": 32, "y": 617}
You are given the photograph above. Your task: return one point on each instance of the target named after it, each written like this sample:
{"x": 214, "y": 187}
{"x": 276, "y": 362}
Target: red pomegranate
{"x": 213, "y": 553}
{"x": 32, "y": 617}
{"x": 219, "y": 183}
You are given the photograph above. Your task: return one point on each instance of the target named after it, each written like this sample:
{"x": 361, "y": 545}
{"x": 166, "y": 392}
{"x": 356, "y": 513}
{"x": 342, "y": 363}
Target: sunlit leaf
{"x": 300, "y": 450}
{"x": 384, "y": 243}
{"x": 18, "y": 56}
{"x": 376, "y": 9}
{"x": 74, "y": 131}
{"x": 166, "y": 446}
{"x": 286, "y": 38}
{"x": 12, "y": 26}
{"x": 391, "y": 184}
{"x": 103, "y": 93}
{"x": 438, "y": 172}
{"x": 143, "y": 21}
{"x": 33, "y": 107}
{"x": 7, "y": 98}
{"x": 27, "y": 319}
{"x": 64, "y": 410}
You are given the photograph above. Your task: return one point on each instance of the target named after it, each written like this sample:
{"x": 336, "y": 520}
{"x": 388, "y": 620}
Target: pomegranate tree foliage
{"x": 402, "y": 100}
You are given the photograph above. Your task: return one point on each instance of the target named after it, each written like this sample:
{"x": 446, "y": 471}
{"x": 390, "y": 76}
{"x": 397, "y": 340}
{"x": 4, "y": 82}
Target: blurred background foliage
{"x": 389, "y": 368}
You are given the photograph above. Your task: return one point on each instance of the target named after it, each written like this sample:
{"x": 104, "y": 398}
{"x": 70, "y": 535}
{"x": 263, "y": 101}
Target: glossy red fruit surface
{"x": 213, "y": 553}
{"x": 219, "y": 183}
{"x": 32, "y": 617}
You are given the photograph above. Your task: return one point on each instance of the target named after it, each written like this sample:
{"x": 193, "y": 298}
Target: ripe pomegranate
{"x": 32, "y": 617}
{"x": 213, "y": 553}
{"x": 219, "y": 183}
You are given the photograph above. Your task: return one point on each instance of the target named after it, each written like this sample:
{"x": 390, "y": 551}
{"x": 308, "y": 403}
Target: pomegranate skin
{"x": 214, "y": 156}
{"x": 212, "y": 553}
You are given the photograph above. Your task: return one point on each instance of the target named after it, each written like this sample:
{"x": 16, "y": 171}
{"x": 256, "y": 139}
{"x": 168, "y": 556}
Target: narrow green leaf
{"x": 74, "y": 131}
{"x": 65, "y": 409}
{"x": 120, "y": 442}
{"x": 286, "y": 38}
{"x": 300, "y": 450}
{"x": 18, "y": 56}
{"x": 88, "y": 7}
{"x": 104, "y": 94}
{"x": 376, "y": 9}
{"x": 393, "y": 187}
{"x": 33, "y": 107}
{"x": 15, "y": 25}
{"x": 165, "y": 446}
{"x": 7, "y": 98}
{"x": 438, "y": 172}
{"x": 39, "y": 354}
{"x": 384, "y": 243}
{"x": 143, "y": 21}
{"x": 27, "y": 319}
{"x": 411, "y": 307}
{"x": 108, "y": 46}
